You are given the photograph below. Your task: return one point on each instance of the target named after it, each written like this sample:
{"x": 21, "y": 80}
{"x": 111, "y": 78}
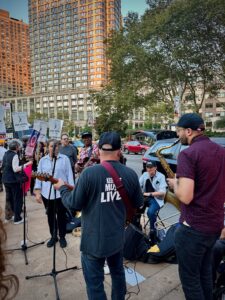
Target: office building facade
{"x": 15, "y": 75}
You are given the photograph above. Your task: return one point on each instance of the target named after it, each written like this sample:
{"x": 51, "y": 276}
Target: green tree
{"x": 190, "y": 37}
{"x": 176, "y": 46}
{"x": 37, "y": 116}
{"x": 220, "y": 123}
{"x": 111, "y": 112}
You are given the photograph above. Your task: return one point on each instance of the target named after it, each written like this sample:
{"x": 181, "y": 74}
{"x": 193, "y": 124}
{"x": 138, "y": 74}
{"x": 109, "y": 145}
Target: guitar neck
{"x": 47, "y": 177}
{"x": 70, "y": 187}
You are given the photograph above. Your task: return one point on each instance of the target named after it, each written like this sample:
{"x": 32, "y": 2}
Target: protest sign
{"x": 20, "y": 122}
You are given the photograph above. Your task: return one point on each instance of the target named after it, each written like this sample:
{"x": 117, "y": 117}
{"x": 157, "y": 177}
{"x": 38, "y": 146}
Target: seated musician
{"x": 89, "y": 155}
{"x": 153, "y": 184}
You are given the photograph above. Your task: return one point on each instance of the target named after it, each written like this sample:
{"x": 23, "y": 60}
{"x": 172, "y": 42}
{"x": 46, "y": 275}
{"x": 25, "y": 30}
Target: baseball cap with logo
{"x": 151, "y": 164}
{"x": 191, "y": 120}
{"x": 111, "y": 138}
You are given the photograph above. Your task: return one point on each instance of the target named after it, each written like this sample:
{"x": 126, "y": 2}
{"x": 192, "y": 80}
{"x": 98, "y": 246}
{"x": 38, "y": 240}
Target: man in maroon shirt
{"x": 200, "y": 186}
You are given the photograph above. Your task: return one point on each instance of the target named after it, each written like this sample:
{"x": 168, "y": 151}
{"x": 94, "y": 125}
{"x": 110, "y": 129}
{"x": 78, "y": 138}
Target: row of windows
{"x": 61, "y": 23}
{"x": 67, "y": 24}
{"x": 63, "y": 73}
{"x": 59, "y": 87}
{"x": 66, "y": 80}
{"x": 63, "y": 80}
{"x": 68, "y": 68}
{"x": 57, "y": 72}
{"x": 210, "y": 105}
{"x": 48, "y": 39}
{"x": 45, "y": 57}
{"x": 44, "y": 46}
{"x": 42, "y": 21}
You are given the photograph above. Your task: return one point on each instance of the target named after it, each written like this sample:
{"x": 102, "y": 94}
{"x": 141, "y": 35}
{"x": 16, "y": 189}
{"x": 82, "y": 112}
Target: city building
{"x": 67, "y": 43}
{"x": 68, "y": 57}
{"x": 15, "y": 76}
{"x": 212, "y": 108}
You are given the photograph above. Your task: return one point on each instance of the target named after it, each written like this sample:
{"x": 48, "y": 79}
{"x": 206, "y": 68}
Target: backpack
{"x": 166, "y": 248}
{"x": 136, "y": 243}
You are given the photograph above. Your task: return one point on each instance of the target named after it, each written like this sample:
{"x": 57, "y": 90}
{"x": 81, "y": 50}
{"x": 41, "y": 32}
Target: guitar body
{"x": 88, "y": 162}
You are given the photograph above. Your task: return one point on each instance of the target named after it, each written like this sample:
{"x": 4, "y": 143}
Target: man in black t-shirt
{"x": 103, "y": 217}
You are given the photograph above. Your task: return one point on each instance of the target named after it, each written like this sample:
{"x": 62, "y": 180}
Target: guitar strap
{"x": 121, "y": 189}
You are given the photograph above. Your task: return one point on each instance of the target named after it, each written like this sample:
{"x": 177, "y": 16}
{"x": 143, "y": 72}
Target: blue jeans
{"x": 194, "y": 250}
{"x": 152, "y": 212}
{"x": 93, "y": 271}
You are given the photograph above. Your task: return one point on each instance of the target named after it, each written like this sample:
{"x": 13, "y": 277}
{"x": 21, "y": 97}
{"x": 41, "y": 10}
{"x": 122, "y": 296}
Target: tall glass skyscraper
{"x": 67, "y": 43}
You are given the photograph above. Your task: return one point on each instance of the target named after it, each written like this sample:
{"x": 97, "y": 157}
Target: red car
{"x": 135, "y": 147}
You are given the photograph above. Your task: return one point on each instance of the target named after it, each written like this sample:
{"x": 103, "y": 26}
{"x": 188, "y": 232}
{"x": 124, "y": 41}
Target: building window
{"x": 209, "y": 105}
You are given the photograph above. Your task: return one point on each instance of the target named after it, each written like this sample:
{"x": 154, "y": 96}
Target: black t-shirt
{"x": 103, "y": 210}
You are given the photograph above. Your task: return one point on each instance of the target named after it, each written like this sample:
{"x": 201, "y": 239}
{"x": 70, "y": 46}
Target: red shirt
{"x": 204, "y": 162}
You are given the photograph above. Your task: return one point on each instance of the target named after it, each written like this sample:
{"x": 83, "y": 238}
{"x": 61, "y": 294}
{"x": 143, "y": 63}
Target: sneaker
{"x": 62, "y": 242}
{"x": 19, "y": 222}
{"x": 52, "y": 242}
{"x": 8, "y": 220}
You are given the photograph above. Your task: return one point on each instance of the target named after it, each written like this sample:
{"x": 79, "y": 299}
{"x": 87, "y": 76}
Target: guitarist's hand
{"x": 58, "y": 185}
{"x": 38, "y": 196}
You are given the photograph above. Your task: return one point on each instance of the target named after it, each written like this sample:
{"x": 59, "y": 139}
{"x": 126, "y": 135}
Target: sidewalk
{"x": 161, "y": 280}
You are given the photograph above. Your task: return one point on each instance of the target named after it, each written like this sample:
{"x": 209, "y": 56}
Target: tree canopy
{"x": 177, "y": 45}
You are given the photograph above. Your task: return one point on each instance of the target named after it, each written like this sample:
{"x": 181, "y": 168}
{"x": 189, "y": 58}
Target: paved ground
{"x": 161, "y": 280}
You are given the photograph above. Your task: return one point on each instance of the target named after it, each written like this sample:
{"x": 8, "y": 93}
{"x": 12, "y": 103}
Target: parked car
{"x": 170, "y": 154}
{"x": 135, "y": 147}
{"x": 155, "y": 134}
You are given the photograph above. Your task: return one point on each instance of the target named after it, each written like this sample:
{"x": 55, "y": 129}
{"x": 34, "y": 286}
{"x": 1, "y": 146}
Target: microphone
{"x": 54, "y": 150}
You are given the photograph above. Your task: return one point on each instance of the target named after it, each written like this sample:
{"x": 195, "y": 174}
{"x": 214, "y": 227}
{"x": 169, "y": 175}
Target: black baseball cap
{"x": 191, "y": 120}
{"x": 110, "y": 138}
{"x": 86, "y": 134}
{"x": 151, "y": 164}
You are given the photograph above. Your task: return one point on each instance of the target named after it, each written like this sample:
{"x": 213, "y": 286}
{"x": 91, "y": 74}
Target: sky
{"x": 18, "y": 8}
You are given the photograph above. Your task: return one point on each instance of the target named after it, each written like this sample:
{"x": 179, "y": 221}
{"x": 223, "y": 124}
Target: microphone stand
{"x": 53, "y": 273}
{"x": 24, "y": 246}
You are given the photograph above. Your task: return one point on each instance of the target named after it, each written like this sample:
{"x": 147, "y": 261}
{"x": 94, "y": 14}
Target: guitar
{"x": 48, "y": 177}
{"x": 87, "y": 162}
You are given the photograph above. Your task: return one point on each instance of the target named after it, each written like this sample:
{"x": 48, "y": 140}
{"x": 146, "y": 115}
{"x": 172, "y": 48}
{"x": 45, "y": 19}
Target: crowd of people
{"x": 199, "y": 186}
